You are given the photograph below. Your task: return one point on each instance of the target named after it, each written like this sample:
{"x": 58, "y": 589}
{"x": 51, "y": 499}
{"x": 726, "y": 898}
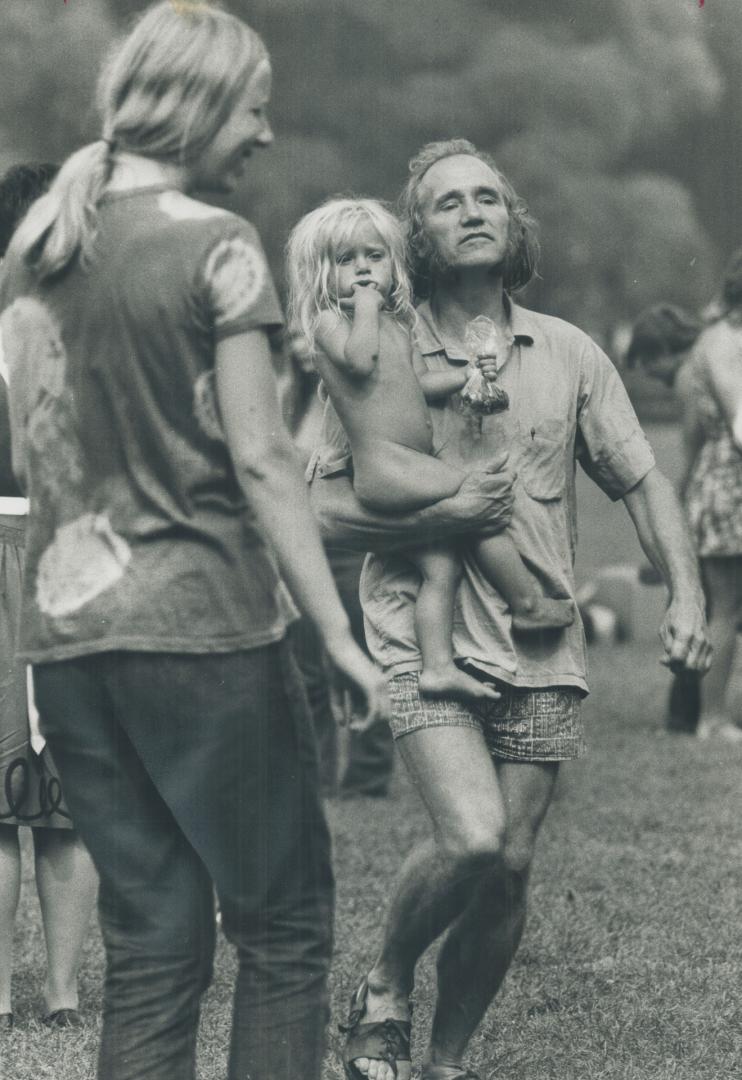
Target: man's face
{"x": 464, "y": 213}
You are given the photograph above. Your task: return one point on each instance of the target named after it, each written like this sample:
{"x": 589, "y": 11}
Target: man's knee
{"x": 517, "y": 851}
{"x": 476, "y": 848}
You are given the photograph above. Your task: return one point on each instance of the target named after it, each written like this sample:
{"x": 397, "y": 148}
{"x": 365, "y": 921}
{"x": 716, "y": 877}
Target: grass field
{"x": 629, "y": 967}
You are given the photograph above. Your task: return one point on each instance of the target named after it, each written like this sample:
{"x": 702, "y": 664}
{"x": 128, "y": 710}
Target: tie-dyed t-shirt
{"x": 140, "y": 537}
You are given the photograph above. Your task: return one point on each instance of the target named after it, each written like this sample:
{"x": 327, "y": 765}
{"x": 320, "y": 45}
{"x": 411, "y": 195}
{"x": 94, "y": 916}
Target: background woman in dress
{"x": 705, "y": 366}
{"x": 147, "y": 431}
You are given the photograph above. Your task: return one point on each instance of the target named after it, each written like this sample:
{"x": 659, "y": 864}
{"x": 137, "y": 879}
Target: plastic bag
{"x": 480, "y": 395}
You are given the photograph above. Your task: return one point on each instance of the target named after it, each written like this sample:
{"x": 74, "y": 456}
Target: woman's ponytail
{"x": 61, "y": 225}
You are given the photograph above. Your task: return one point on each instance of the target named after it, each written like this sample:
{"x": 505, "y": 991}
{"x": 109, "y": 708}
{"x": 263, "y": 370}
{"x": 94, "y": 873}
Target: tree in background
{"x": 49, "y": 57}
{"x": 595, "y": 109}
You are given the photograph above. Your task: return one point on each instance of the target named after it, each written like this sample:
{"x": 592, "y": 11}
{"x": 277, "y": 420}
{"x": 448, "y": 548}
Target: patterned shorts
{"x": 523, "y": 725}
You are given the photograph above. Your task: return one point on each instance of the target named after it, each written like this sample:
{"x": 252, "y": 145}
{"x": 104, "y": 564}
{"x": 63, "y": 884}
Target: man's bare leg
{"x": 480, "y": 945}
{"x": 457, "y": 780}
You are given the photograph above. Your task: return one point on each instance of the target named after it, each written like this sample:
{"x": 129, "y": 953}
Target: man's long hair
{"x": 521, "y": 257}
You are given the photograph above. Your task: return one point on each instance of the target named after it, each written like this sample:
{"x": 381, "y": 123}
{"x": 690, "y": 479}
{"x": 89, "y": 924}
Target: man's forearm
{"x": 484, "y": 504}
{"x": 663, "y": 533}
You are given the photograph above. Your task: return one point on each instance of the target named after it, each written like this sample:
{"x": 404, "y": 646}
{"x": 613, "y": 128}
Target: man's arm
{"x": 482, "y": 505}
{"x": 663, "y": 533}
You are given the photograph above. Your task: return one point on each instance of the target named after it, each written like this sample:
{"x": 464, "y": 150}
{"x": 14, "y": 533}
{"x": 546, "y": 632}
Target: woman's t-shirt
{"x": 139, "y": 535}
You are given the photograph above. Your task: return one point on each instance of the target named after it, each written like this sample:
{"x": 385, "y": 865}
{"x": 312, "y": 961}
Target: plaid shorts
{"x": 523, "y": 725}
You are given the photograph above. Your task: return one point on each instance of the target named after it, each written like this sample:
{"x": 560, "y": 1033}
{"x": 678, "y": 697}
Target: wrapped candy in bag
{"x": 481, "y": 395}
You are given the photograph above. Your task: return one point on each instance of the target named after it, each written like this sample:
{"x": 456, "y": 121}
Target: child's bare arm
{"x": 353, "y": 348}
{"x": 441, "y": 384}
{"x": 437, "y": 384}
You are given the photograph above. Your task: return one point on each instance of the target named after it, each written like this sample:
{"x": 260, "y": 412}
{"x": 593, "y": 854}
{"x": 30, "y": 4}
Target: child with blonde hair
{"x": 351, "y": 298}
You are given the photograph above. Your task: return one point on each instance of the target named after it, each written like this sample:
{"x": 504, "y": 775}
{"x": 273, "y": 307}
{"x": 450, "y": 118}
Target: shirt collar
{"x": 429, "y": 339}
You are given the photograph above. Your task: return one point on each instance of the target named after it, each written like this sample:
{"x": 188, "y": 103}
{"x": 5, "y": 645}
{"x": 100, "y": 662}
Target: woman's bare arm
{"x": 724, "y": 366}
{"x": 691, "y": 428}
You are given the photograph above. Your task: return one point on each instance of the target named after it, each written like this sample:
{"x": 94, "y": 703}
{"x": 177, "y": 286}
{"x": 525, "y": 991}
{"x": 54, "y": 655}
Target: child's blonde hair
{"x": 164, "y": 93}
{"x": 310, "y": 254}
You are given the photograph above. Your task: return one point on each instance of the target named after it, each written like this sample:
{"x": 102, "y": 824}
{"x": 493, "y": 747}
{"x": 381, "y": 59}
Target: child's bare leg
{"x": 441, "y": 572}
{"x": 498, "y": 558}
{"x": 394, "y": 479}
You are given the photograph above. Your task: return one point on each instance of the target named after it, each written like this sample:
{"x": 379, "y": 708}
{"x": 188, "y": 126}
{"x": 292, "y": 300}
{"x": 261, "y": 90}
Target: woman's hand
{"x": 360, "y": 686}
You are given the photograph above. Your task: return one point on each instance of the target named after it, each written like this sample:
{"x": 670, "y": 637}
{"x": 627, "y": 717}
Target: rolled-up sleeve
{"x": 611, "y": 446}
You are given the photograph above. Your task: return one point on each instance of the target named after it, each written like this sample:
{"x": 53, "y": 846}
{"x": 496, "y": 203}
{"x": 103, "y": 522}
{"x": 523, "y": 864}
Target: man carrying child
{"x": 487, "y": 770}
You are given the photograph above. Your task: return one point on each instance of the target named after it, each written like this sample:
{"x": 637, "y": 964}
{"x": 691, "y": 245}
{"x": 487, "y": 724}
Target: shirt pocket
{"x": 542, "y": 468}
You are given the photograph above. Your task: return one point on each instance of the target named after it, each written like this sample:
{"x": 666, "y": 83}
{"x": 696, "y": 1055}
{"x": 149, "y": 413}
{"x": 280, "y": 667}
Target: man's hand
{"x": 684, "y": 635}
{"x": 482, "y": 505}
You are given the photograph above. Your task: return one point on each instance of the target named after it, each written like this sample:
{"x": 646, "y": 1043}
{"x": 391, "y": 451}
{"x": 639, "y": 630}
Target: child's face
{"x": 363, "y": 260}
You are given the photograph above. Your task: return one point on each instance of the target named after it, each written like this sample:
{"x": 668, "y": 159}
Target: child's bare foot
{"x": 451, "y": 682}
{"x": 541, "y": 613}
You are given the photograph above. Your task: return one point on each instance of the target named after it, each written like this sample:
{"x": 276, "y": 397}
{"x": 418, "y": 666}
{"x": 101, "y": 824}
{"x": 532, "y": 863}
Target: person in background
{"x": 704, "y": 364}
{"x": 30, "y": 791}
{"x": 661, "y": 340}
{"x": 168, "y": 523}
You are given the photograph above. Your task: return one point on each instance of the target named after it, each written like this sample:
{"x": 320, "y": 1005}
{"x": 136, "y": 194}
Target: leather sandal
{"x": 384, "y": 1040}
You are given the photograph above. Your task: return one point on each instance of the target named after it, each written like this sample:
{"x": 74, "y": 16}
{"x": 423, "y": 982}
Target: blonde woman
{"x": 165, "y": 514}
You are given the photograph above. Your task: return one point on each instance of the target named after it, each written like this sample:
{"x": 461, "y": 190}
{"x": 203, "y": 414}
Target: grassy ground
{"x": 629, "y": 967}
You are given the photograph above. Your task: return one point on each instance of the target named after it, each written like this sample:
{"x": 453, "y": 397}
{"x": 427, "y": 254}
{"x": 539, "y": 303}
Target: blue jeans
{"x": 184, "y": 773}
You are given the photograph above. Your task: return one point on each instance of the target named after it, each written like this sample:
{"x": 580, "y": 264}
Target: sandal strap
{"x": 387, "y": 1040}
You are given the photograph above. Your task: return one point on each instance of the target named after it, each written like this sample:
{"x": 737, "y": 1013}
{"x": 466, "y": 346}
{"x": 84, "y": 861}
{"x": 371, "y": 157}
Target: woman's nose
{"x": 265, "y": 137}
